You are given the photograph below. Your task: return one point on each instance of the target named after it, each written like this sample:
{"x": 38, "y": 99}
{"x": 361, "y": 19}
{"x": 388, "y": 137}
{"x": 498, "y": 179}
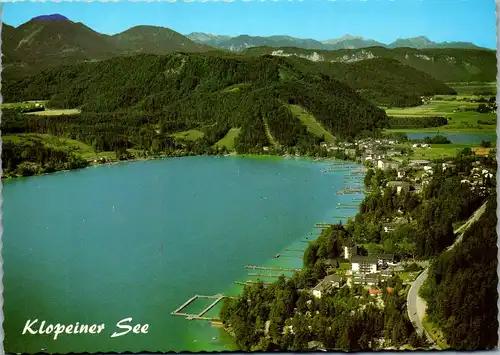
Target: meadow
{"x": 471, "y": 88}
{"x": 313, "y": 126}
{"x": 228, "y": 140}
{"x": 66, "y": 144}
{"x": 458, "y": 120}
{"x": 436, "y": 151}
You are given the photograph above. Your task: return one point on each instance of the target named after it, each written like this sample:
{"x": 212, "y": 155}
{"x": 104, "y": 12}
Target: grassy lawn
{"x": 407, "y": 276}
{"x": 344, "y": 266}
{"x": 435, "y": 333}
{"x": 190, "y": 135}
{"x": 71, "y": 145}
{"x": 469, "y": 89}
{"x": 460, "y": 121}
{"x": 72, "y": 111}
{"x": 310, "y": 122}
{"x": 229, "y": 138}
{"x": 439, "y": 151}
{"x": 21, "y": 104}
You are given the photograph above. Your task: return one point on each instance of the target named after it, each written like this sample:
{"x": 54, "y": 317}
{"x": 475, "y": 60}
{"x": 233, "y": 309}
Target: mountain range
{"x": 242, "y": 42}
{"x": 52, "y": 40}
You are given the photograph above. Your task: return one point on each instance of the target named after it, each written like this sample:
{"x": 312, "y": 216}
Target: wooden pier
{"x": 201, "y": 315}
{"x": 266, "y": 275}
{"x": 252, "y": 267}
{"x": 351, "y": 192}
{"x": 322, "y": 225}
{"x": 249, "y": 282}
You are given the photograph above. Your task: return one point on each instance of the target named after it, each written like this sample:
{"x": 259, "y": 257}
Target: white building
{"x": 329, "y": 282}
{"x": 364, "y": 264}
{"x": 349, "y": 252}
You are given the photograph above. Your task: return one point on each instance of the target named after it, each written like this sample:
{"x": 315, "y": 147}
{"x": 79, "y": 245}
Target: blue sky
{"x": 382, "y": 20}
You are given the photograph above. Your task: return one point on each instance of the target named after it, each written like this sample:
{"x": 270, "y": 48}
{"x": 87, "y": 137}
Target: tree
{"x": 485, "y": 144}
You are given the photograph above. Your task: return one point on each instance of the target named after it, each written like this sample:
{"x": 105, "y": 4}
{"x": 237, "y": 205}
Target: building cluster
{"x": 365, "y": 270}
{"x": 366, "y": 150}
{"x": 480, "y": 179}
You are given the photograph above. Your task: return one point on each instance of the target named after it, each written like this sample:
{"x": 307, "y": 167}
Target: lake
{"x": 139, "y": 239}
{"x": 456, "y": 138}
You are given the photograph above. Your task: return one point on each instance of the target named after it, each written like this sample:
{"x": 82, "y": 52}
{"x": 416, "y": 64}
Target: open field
{"x": 70, "y": 145}
{"x": 191, "y": 135}
{"x": 228, "y": 140}
{"x": 470, "y": 88}
{"x": 310, "y": 122}
{"x": 21, "y": 104}
{"x": 407, "y": 276}
{"x": 71, "y": 111}
{"x": 437, "y": 151}
{"x": 458, "y": 121}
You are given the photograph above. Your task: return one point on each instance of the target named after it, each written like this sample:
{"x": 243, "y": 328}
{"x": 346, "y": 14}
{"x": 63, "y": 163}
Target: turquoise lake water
{"x": 456, "y": 138}
{"x": 138, "y": 239}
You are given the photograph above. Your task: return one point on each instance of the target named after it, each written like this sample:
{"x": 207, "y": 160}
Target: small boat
{"x": 43, "y": 349}
{"x": 277, "y": 256}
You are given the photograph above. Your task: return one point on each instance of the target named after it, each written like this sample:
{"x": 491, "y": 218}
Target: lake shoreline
{"x": 225, "y": 327}
{"x": 96, "y": 187}
{"x": 163, "y": 157}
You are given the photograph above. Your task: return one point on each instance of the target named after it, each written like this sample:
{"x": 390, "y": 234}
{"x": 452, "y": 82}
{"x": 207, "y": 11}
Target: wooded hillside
{"x": 139, "y": 99}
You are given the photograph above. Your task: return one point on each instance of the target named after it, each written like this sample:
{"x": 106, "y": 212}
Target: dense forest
{"x": 428, "y": 217}
{"x": 443, "y": 64}
{"x": 399, "y": 122}
{"x": 461, "y": 289}
{"x": 140, "y": 101}
{"x": 383, "y": 81}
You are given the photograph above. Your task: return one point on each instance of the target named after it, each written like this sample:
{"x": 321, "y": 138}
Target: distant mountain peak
{"x": 53, "y": 17}
{"x": 348, "y": 36}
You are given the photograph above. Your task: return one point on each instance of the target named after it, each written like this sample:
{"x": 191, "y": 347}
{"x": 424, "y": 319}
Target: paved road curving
{"x": 415, "y": 304}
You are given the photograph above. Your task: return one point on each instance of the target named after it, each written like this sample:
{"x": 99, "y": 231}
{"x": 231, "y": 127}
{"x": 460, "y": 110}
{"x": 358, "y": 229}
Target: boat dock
{"x": 250, "y": 282}
{"x": 201, "y": 315}
{"x": 252, "y": 267}
{"x": 322, "y": 225}
{"x": 267, "y": 275}
{"x": 351, "y": 173}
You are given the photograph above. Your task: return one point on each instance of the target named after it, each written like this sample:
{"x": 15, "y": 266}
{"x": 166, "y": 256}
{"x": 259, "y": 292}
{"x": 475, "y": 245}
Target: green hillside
{"x": 444, "y": 64}
{"x": 383, "y": 81}
{"x": 39, "y": 44}
{"x": 154, "y": 40}
{"x": 141, "y": 101}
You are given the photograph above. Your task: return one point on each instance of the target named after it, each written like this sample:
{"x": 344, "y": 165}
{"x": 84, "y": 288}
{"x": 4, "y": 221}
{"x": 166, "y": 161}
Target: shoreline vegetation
{"x": 108, "y": 162}
{"x": 290, "y": 314}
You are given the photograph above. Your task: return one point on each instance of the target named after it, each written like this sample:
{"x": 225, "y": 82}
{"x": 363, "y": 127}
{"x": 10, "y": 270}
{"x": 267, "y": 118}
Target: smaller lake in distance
{"x": 456, "y": 138}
